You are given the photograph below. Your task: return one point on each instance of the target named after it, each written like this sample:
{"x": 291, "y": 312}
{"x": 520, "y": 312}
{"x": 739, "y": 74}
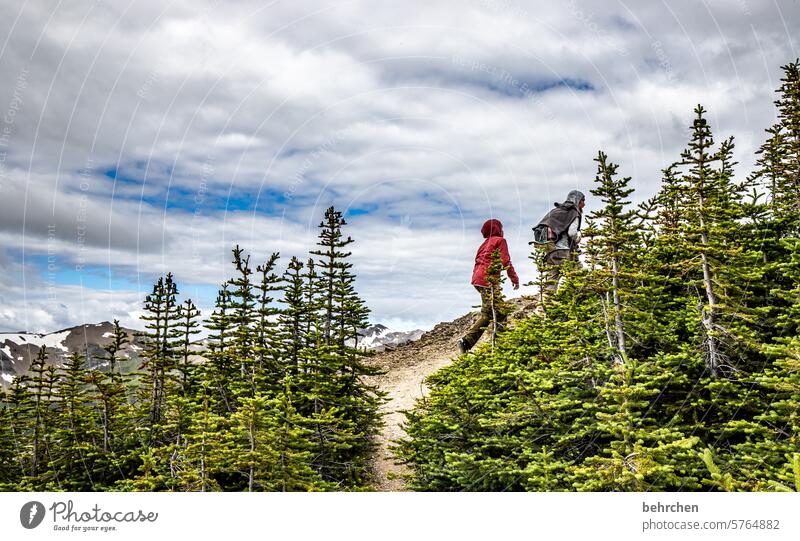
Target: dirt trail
{"x": 406, "y": 367}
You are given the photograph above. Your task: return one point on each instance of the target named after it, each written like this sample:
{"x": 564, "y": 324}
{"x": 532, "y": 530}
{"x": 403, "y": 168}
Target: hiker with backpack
{"x": 558, "y": 234}
{"x": 488, "y": 287}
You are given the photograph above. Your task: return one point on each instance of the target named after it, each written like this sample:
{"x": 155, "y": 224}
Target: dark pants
{"x": 492, "y": 309}
{"x": 553, "y": 261}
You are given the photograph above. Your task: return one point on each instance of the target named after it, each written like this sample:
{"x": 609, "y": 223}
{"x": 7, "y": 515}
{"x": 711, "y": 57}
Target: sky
{"x": 145, "y": 137}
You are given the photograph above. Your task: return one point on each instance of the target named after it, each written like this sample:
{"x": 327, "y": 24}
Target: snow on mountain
{"x": 379, "y": 337}
{"x": 18, "y": 350}
{"x": 53, "y": 340}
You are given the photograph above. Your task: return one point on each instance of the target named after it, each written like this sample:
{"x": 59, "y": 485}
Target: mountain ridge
{"x": 19, "y": 349}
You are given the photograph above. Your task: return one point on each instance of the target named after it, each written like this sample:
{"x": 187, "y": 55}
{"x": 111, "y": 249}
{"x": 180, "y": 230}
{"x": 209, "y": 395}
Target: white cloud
{"x": 431, "y": 116}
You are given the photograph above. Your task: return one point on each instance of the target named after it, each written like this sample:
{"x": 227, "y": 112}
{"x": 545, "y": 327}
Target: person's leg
{"x": 553, "y": 262}
{"x": 498, "y": 308}
{"x": 484, "y": 318}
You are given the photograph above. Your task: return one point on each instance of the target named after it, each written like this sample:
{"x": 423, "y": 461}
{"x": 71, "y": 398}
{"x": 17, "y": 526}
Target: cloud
{"x": 148, "y": 138}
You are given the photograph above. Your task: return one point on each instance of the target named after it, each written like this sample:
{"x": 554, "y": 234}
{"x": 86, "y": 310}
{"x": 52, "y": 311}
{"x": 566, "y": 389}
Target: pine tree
{"x": 40, "y": 386}
{"x": 618, "y": 241}
{"x": 112, "y": 351}
{"x": 161, "y": 319}
{"x": 338, "y": 390}
{"x": 700, "y": 193}
{"x": 76, "y": 439}
{"x": 779, "y": 172}
{"x": 220, "y": 370}
{"x": 207, "y": 452}
{"x": 108, "y": 392}
{"x": 294, "y": 318}
{"x": 19, "y": 406}
{"x": 179, "y": 405}
{"x": 9, "y": 453}
{"x": 187, "y": 328}
{"x": 268, "y": 350}
{"x": 275, "y": 455}
{"x": 781, "y": 438}
{"x": 779, "y": 161}
{"x": 332, "y": 261}
{"x": 243, "y": 319}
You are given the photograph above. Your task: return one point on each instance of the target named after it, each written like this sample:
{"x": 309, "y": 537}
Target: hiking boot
{"x": 463, "y": 347}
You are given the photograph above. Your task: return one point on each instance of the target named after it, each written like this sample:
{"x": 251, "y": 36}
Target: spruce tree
{"x": 9, "y": 453}
{"x": 268, "y": 350}
{"x": 179, "y": 405}
{"x": 220, "y": 370}
{"x": 76, "y": 437}
{"x": 779, "y": 161}
{"x": 187, "y": 328}
{"x": 109, "y": 394}
{"x": 273, "y": 450}
{"x": 294, "y": 318}
{"x": 243, "y": 320}
{"x": 40, "y": 387}
{"x": 781, "y": 438}
{"x": 640, "y": 451}
{"x": 161, "y": 318}
{"x": 19, "y": 406}
{"x": 339, "y": 391}
{"x": 207, "y": 452}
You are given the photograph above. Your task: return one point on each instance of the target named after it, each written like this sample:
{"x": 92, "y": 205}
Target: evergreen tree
{"x": 267, "y": 330}
{"x": 779, "y": 161}
{"x": 338, "y": 391}
{"x": 108, "y": 392}
{"x": 275, "y": 454}
{"x": 161, "y": 319}
{"x": 616, "y": 241}
{"x": 179, "y": 405}
{"x": 9, "y": 453}
{"x": 19, "y": 407}
{"x": 294, "y": 318}
{"x": 781, "y": 437}
{"x": 75, "y": 436}
{"x": 207, "y": 452}
{"x": 220, "y": 370}
{"x": 243, "y": 320}
{"x": 187, "y": 328}
{"x": 40, "y": 388}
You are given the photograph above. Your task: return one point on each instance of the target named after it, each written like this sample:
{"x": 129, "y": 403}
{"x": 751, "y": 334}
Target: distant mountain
{"x": 17, "y": 350}
{"x": 379, "y": 337}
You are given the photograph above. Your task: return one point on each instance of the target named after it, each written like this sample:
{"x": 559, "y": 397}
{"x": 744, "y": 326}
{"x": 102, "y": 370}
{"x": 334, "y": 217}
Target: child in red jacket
{"x": 491, "y": 295}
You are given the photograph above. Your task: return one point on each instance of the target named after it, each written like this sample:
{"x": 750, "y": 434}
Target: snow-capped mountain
{"x": 17, "y": 350}
{"x": 379, "y": 337}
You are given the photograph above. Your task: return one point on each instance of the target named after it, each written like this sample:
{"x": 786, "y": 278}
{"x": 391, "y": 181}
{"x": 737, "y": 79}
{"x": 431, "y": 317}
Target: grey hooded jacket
{"x": 571, "y": 238}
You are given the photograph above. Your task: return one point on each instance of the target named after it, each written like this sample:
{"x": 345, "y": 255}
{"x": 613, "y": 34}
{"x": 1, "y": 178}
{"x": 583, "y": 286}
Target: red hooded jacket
{"x": 492, "y": 231}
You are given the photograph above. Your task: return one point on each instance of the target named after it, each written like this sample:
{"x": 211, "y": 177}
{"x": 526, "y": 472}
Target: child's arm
{"x": 505, "y": 258}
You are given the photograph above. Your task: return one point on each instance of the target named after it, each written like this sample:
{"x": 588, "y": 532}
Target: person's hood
{"x": 573, "y": 201}
{"x": 575, "y": 197}
{"x": 492, "y": 228}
